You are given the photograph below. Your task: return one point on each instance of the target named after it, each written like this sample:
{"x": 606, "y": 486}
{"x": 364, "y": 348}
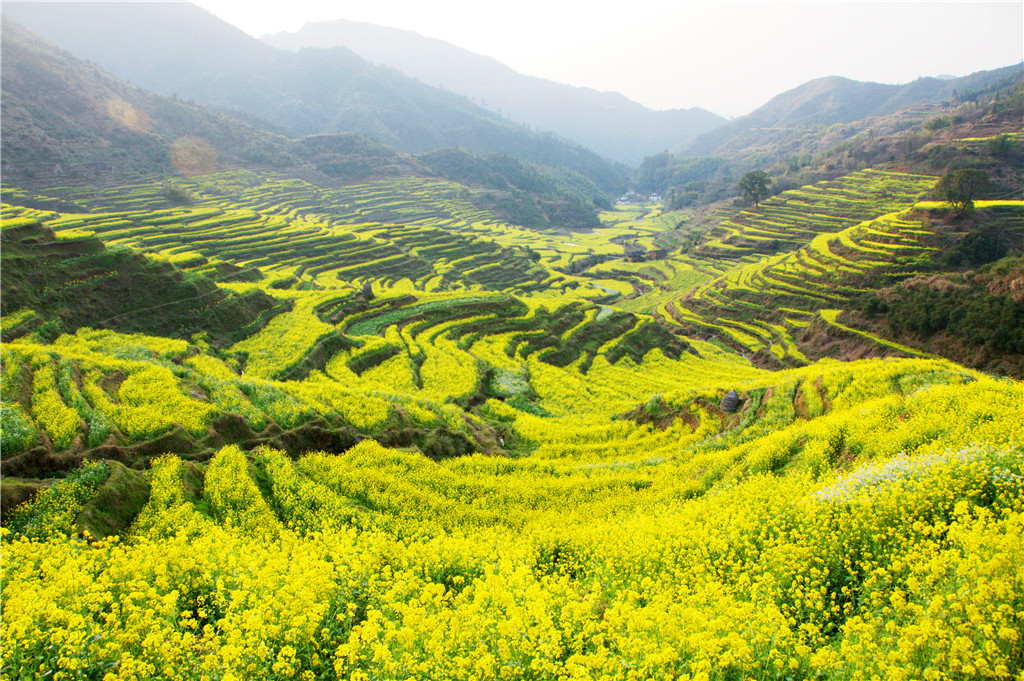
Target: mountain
{"x": 606, "y": 122}
{"x": 319, "y": 429}
{"x": 65, "y": 119}
{"x": 178, "y": 49}
{"x": 826, "y": 101}
{"x": 792, "y": 139}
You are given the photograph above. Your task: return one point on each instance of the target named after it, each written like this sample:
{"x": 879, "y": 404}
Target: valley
{"x": 332, "y": 410}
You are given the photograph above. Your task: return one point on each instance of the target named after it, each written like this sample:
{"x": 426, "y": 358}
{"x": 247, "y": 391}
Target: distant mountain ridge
{"x": 830, "y": 100}
{"x": 67, "y": 122}
{"x": 606, "y": 122}
{"x": 179, "y": 49}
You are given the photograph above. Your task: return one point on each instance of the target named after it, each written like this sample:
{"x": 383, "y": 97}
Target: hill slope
{"x": 841, "y": 513}
{"x": 179, "y": 49}
{"x": 924, "y": 138}
{"x": 442, "y": 432}
{"x": 68, "y": 122}
{"x": 125, "y": 291}
{"x": 606, "y": 122}
{"x": 384, "y": 433}
{"x": 827, "y": 101}
{"x": 65, "y": 120}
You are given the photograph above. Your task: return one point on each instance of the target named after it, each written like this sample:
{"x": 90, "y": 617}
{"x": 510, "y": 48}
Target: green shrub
{"x": 16, "y": 430}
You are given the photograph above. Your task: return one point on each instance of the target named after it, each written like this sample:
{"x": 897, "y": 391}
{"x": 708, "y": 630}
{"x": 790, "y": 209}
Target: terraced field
{"x": 763, "y": 304}
{"x": 282, "y": 241}
{"x": 401, "y": 310}
{"x": 445, "y": 447}
{"x": 560, "y": 492}
{"x": 405, "y": 234}
{"x": 793, "y": 218}
{"x": 824, "y": 274}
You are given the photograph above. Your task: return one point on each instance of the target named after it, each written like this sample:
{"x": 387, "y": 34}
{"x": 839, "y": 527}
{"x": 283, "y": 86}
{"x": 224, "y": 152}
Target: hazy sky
{"x": 729, "y": 57}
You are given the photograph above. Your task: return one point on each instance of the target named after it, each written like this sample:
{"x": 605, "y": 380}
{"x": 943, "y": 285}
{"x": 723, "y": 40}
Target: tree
{"x": 755, "y": 185}
{"x": 959, "y": 188}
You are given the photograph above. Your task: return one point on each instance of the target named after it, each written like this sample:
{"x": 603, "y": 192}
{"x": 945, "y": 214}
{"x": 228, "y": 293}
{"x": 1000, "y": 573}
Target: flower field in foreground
{"x": 753, "y": 549}
{"x": 374, "y": 433}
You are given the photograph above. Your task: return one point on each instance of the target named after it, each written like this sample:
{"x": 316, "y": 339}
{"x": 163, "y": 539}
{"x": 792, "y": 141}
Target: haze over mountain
{"x": 65, "y": 119}
{"x": 826, "y": 101}
{"x": 178, "y": 49}
{"x": 607, "y": 122}
{"x": 287, "y": 405}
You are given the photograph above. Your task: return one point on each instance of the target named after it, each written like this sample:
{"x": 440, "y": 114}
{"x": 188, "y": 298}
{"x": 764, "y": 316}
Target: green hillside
{"x": 60, "y": 284}
{"x": 834, "y": 100}
{"x": 966, "y": 122}
{"x": 347, "y": 413}
{"x": 434, "y": 421}
{"x": 180, "y": 50}
{"x": 67, "y": 122}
